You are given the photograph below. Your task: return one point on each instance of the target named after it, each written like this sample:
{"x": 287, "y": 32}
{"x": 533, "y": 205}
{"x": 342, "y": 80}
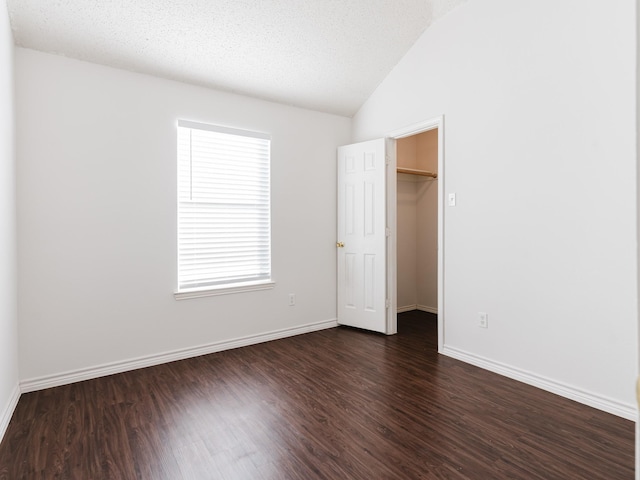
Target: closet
{"x": 417, "y": 222}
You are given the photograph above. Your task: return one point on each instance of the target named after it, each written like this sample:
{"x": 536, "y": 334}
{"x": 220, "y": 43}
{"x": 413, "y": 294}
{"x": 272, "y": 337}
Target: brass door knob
{"x": 339, "y": 244}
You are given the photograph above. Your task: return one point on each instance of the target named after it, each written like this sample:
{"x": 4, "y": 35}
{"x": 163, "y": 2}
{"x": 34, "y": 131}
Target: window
{"x": 224, "y": 224}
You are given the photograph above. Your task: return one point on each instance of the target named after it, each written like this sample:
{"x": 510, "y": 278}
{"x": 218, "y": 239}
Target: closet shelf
{"x": 412, "y": 171}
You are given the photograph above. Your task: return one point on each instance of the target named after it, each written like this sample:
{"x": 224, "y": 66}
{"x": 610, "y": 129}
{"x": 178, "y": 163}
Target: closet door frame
{"x": 392, "y": 252}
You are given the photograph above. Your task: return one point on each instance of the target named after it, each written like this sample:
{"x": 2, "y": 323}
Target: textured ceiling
{"x": 327, "y": 55}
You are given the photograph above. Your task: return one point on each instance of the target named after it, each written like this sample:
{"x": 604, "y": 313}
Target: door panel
{"x": 361, "y": 228}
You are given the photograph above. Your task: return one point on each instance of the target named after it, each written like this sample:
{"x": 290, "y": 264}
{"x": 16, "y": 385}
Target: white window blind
{"x": 224, "y": 225}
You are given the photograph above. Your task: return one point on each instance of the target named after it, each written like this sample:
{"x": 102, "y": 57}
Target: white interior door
{"x": 362, "y": 280}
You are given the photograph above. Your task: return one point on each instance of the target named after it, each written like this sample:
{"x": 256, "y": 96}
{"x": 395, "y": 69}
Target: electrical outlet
{"x": 292, "y": 299}
{"x": 483, "y": 320}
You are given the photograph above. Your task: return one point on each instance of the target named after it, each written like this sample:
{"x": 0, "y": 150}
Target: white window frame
{"x": 188, "y": 163}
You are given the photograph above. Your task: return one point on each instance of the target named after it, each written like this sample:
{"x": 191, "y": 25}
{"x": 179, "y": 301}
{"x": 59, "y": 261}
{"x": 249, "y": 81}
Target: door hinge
{"x": 387, "y": 303}
{"x": 387, "y": 232}
{"x": 387, "y": 159}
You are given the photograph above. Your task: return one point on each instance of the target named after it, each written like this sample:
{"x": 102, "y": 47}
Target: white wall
{"x": 427, "y": 240}
{"x": 539, "y": 105}
{"x": 97, "y": 216}
{"x": 8, "y": 269}
{"x": 417, "y": 224}
{"x": 407, "y": 242}
{"x": 427, "y": 223}
{"x": 406, "y": 225}
{"x": 638, "y": 221}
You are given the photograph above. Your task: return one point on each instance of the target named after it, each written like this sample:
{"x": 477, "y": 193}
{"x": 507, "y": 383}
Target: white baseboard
{"x": 7, "y": 413}
{"x": 422, "y": 308}
{"x": 79, "y": 375}
{"x": 608, "y": 405}
{"x": 407, "y": 308}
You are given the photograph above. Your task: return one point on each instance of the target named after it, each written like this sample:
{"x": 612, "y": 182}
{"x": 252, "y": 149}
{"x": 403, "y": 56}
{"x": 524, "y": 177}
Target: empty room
{"x": 282, "y": 239}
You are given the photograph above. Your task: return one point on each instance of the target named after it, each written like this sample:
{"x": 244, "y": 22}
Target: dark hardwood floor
{"x": 335, "y": 404}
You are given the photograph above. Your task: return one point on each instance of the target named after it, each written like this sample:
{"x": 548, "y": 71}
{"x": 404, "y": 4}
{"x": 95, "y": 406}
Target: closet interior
{"x": 417, "y": 222}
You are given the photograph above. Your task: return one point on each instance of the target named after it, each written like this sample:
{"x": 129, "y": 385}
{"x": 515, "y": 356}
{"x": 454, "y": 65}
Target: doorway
{"x": 415, "y": 214}
{"x": 417, "y": 222}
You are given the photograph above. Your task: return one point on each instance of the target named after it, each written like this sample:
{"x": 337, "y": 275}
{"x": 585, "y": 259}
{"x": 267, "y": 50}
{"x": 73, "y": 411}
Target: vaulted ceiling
{"x": 327, "y": 55}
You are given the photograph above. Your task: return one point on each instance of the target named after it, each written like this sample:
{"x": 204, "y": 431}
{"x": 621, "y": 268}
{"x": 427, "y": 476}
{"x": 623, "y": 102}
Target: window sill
{"x": 225, "y": 290}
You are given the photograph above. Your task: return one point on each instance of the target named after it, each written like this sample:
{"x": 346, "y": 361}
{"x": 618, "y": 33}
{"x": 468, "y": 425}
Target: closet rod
{"x": 411, "y": 171}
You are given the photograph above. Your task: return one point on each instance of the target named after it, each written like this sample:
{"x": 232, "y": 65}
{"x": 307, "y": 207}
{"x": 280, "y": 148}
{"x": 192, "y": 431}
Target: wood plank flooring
{"x": 335, "y": 404}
